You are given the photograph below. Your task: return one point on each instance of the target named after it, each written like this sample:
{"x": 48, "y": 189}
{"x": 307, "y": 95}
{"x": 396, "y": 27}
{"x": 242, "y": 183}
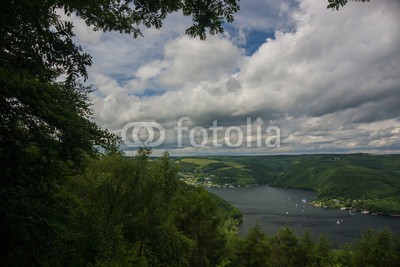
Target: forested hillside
{"x": 68, "y": 197}
{"x": 135, "y": 212}
{"x": 359, "y": 181}
{"x": 123, "y": 212}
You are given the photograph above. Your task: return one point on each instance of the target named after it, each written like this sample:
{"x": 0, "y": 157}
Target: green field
{"x": 354, "y": 181}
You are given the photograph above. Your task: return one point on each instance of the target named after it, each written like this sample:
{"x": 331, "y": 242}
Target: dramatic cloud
{"x": 329, "y": 80}
{"x": 191, "y": 60}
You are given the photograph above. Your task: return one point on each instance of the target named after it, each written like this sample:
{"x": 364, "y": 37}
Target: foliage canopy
{"x": 59, "y": 205}
{"x": 45, "y": 127}
{"x": 336, "y": 4}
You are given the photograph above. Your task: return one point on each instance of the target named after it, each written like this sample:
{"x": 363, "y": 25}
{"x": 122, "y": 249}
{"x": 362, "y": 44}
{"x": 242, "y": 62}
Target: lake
{"x": 277, "y": 207}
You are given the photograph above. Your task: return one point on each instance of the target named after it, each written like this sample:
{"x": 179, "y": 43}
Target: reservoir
{"x": 278, "y": 207}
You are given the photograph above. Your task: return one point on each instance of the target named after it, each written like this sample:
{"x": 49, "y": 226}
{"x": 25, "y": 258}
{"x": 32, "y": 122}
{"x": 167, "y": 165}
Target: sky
{"x": 286, "y": 77}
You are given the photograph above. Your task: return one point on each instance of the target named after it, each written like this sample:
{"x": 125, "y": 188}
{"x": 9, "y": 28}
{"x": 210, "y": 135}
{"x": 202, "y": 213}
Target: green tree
{"x": 285, "y": 248}
{"x": 322, "y": 252}
{"x": 45, "y": 126}
{"x": 254, "y": 249}
{"x": 306, "y": 250}
{"x": 377, "y": 249}
{"x": 125, "y": 212}
{"x": 336, "y": 4}
{"x": 196, "y": 216}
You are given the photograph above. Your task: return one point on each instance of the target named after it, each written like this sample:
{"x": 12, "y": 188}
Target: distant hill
{"x": 358, "y": 181}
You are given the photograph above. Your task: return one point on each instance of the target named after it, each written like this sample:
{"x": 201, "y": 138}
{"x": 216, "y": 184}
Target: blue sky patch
{"x": 254, "y": 39}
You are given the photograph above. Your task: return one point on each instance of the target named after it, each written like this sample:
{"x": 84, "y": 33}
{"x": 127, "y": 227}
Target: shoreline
{"x": 315, "y": 203}
{"x": 320, "y": 204}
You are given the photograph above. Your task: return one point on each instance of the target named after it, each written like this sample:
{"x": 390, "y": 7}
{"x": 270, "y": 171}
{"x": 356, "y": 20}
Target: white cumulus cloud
{"x": 330, "y": 81}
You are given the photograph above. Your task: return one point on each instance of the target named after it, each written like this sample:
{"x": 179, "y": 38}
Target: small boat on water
{"x": 337, "y": 222}
{"x": 364, "y": 211}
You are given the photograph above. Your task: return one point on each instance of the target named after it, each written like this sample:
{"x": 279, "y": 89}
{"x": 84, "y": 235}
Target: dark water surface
{"x": 276, "y": 207}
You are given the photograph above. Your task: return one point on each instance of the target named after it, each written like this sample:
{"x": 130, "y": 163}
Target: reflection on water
{"x": 277, "y": 207}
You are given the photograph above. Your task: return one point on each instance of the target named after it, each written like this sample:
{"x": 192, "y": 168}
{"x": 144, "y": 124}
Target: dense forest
{"x": 124, "y": 211}
{"x": 354, "y": 181}
{"x": 69, "y": 198}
